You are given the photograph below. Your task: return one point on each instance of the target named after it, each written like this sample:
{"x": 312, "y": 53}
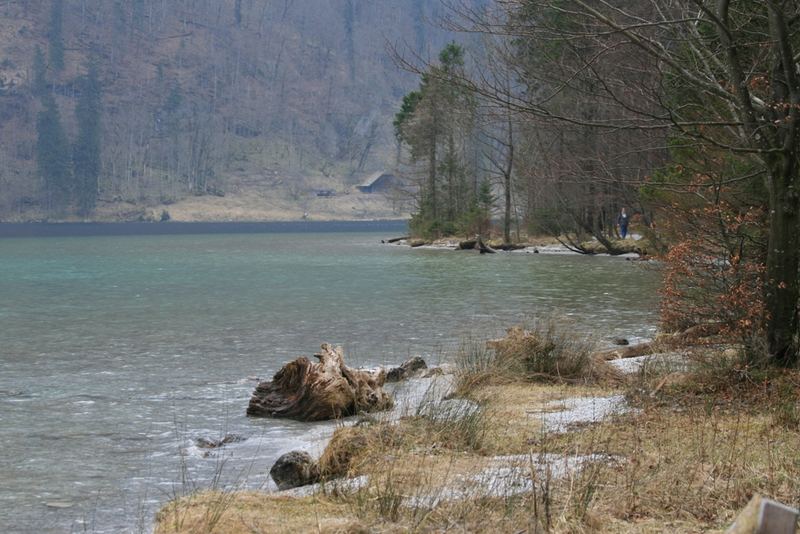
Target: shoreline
{"x": 542, "y": 246}
{"x": 68, "y": 229}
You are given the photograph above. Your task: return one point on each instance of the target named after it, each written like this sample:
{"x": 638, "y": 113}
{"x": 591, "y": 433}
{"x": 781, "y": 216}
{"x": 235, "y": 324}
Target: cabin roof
{"x": 370, "y": 180}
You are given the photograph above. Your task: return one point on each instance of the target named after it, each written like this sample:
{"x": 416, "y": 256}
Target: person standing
{"x": 622, "y": 222}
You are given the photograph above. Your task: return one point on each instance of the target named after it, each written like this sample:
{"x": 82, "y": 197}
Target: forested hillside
{"x": 110, "y": 106}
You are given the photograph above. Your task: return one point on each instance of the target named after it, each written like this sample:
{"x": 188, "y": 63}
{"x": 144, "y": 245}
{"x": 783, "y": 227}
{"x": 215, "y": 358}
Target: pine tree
{"x": 86, "y": 152}
{"x": 52, "y": 155}
{"x": 56, "y": 35}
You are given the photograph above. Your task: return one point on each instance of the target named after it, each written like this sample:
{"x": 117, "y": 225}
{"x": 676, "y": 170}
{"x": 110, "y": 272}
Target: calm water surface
{"x": 116, "y": 353}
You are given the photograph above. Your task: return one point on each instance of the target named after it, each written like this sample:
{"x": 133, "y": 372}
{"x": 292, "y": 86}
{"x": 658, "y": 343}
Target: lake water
{"x": 117, "y": 352}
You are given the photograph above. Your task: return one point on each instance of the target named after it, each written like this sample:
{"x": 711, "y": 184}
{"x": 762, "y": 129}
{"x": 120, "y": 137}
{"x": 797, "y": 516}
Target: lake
{"x": 118, "y": 351}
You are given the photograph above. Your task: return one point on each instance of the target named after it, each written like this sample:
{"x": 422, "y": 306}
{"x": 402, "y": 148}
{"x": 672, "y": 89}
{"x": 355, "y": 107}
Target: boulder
{"x": 621, "y": 341}
{"x": 316, "y": 391}
{"x": 294, "y": 469}
{"x": 406, "y": 369}
{"x": 468, "y": 244}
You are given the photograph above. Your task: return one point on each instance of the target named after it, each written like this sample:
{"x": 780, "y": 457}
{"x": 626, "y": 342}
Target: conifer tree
{"x": 436, "y": 123}
{"x": 52, "y": 155}
{"x": 86, "y": 152}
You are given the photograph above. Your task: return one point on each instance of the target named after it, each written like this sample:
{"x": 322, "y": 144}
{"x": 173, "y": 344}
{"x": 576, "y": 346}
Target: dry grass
{"x": 254, "y": 513}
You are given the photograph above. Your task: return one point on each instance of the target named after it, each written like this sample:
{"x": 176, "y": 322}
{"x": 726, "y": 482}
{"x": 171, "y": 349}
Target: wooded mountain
{"x": 200, "y": 98}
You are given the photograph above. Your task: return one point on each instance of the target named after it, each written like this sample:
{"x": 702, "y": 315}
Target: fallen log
{"x": 396, "y": 239}
{"x": 695, "y": 335}
{"x": 316, "y": 391}
{"x": 630, "y": 351}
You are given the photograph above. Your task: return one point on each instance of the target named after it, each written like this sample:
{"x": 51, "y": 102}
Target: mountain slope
{"x": 258, "y": 99}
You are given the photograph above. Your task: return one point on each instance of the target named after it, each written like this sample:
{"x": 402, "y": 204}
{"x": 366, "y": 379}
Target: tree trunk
{"x": 507, "y": 217}
{"x": 783, "y": 260}
{"x": 432, "y": 178}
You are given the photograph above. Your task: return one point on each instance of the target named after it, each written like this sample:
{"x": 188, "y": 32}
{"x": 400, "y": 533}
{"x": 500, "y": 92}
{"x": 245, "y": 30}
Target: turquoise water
{"x": 116, "y": 353}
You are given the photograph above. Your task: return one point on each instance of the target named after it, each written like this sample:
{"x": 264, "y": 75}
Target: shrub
{"x": 544, "y": 353}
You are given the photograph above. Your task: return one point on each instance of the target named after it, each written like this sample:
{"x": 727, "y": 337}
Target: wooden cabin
{"x": 379, "y": 182}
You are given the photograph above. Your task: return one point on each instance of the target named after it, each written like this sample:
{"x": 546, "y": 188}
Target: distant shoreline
{"x": 78, "y": 229}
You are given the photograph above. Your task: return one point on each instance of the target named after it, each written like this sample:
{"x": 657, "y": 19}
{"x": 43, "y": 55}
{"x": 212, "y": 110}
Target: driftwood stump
{"x": 310, "y": 391}
{"x": 483, "y": 247}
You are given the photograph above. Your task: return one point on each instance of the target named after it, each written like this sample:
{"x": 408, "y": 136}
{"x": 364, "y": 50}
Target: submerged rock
{"x": 207, "y": 443}
{"x": 406, "y": 369}
{"x": 294, "y": 469}
{"x": 308, "y": 391}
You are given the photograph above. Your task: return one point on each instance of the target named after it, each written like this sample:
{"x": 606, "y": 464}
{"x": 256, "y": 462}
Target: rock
{"x": 536, "y": 251}
{"x": 294, "y": 469}
{"x": 417, "y": 243}
{"x": 621, "y": 341}
{"x": 433, "y": 371}
{"x": 59, "y": 504}
{"x": 365, "y": 420}
{"x": 206, "y": 443}
{"x": 308, "y": 391}
{"x": 406, "y": 369}
{"x": 468, "y": 244}
{"x": 765, "y": 516}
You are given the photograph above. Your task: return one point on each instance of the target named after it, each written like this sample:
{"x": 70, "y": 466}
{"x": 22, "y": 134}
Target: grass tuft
{"x": 545, "y": 353}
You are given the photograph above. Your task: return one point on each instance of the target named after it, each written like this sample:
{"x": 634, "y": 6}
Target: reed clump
{"x": 546, "y": 353}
